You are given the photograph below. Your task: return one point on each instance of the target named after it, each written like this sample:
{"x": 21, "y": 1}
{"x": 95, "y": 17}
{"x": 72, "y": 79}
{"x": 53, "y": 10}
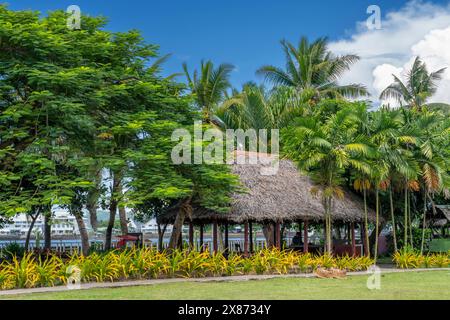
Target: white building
{"x": 20, "y": 225}
{"x": 63, "y": 224}
{"x": 151, "y": 227}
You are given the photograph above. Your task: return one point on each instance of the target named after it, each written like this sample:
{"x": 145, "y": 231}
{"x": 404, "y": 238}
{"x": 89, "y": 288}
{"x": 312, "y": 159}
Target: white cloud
{"x": 418, "y": 29}
{"x": 382, "y": 75}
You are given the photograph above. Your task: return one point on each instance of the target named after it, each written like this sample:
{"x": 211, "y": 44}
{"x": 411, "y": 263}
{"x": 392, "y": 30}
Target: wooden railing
{"x": 235, "y": 245}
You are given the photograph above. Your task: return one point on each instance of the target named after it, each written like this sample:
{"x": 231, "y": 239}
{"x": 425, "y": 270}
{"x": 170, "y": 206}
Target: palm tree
{"x": 325, "y": 149}
{"x": 385, "y": 124}
{"x": 311, "y": 66}
{"x": 432, "y": 155}
{"x": 407, "y": 167}
{"x": 256, "y": 108}
{"x": 210, "y": 86}
{"x": 419, "y": 86}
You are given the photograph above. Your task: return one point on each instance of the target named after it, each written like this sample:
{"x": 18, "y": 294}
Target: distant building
{"x": 63, "y": 224}
{"x": 151, "y": 227}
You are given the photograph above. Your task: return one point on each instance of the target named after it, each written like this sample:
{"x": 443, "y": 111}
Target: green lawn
{"x": 410, "y": 285}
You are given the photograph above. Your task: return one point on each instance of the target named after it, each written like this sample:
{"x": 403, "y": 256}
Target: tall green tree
{"x": 419, "y": 86}
{"x": 310, "y": 66}
{"x": 432, "y": 155}
{"x": 325, "y": 148}
{"x": 257, "y": 108}
{"x": 209, "y": 86}
{"x": 67, "y": 94}
{"x": 46, "y": 85}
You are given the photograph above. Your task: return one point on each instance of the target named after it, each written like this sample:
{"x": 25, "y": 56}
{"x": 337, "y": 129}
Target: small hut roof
{"x": 442, "y": 216}
{"x": 283, "y": 196}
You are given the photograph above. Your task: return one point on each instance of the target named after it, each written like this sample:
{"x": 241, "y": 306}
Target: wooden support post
{"x": 305, "y": 236}
{"x": 191, "y": 236}
{"x": 215, "y": 243}
{"x": 201, "y": 237}
{"x": 352, "y": 227}
{"x": 349, "y": 231}
{"x": 250, "y": 230}
{"x": 274, "y": 235}
{"x": 246, "y": 239}
{"x": 227, "y": 242}
{"x": 278, "y": 235}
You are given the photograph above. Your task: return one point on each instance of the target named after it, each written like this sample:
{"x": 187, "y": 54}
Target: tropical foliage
{"x": 86, "y": 120}
{"x": 29, "y": 271}
{"x": 209, "y": 86}
{"x": 80, "y": 105}
{"x": 312, "y": 68}
{"x": 419, "y": 86}
{"x": 407, "y": 258}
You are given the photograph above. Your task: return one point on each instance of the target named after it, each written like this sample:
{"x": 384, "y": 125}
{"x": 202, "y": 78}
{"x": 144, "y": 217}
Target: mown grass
{"x": 408, "y": 285}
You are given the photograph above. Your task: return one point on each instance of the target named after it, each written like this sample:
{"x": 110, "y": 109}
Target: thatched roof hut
{"x": 441, "y": 217}
{"x": 283, "y": 197}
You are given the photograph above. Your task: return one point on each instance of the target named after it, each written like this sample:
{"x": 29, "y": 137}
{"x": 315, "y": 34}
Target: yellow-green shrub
{"x": 410, "y": 259}
{"x": 27, "y": 271}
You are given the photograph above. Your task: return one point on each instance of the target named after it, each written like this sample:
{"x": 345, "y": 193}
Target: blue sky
{"x": 245, "y": 33}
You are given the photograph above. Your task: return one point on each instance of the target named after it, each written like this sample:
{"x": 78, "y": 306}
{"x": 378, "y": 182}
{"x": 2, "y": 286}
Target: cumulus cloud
{"x": 418, "y": 29}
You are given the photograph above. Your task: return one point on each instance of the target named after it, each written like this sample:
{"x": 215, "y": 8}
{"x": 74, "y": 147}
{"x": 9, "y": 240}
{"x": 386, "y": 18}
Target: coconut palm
{"x": 432, "y": 154}
{"x": 209, "y": 86}
{"x": 419, "y": 86}
{"x": 256, "y": 108}
{"x": 326, "y": 149}
{"x": 385, "y": 125}
{"x": 407, "y": 166}
{"x": 311, "y": 66}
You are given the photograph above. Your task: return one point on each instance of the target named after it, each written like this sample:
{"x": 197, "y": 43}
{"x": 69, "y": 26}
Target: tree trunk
{"x": 366, "y": 222}
{"x": 83, "y": 232}
{"x": 214, "y": 236}
{"x": 373, "y": 236}
{"x": 377, "y": 213}
{"x": 353, "y": 238}
{"x": 423, "y": 222}
{"x": 201, "y": 237}
{"x": 178, "y": 225}
{"x": 177, "y": 229}
{"x": 411, "y": 239}
{"x": 47, "y": 231}
{"x": 92, "y": 199}
{"x": 161, "y": 232}
{"x": 123, "y": 220}
{"x": 30, "y": 229}
{"x": 220, "y": 238}
{"x": 92, "y": 209}
{"x": 328, "y": 225}
{"x": 268, "y": 234}
{"x": 405, "y": 222}
{"x": 394, "y": 229}
{"x": 122, "y": 213}
{"x": 113, "y": 203}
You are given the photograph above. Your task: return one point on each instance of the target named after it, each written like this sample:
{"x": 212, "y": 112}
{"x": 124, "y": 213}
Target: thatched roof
{"x": 442, "y": 216}
{"x": 284, "y": 196}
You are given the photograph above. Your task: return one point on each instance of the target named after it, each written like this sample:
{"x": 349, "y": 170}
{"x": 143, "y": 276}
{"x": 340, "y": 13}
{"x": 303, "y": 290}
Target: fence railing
{"x": 235, "y": 245}
{"x": 58, "y": 246}
{"x": 67, "y": 246}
